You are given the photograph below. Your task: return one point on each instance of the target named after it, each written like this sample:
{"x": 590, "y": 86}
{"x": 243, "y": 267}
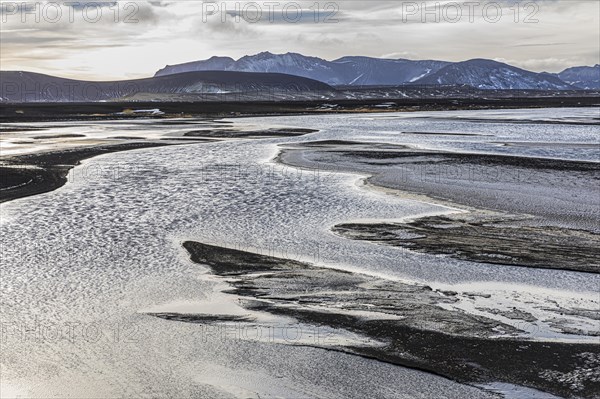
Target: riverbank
{"x": 40, "y": 112}
{"x": 39, "y": 171}
{"x": 410, "y": 320}
{"x": 33, "y": 174}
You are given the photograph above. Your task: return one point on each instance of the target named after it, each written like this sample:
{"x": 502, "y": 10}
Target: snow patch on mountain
{"x": 368, "y": 71}
{"x": 357, "y": 71}
{"x": 583, "y": 77}
{"x": 493, "y": 75}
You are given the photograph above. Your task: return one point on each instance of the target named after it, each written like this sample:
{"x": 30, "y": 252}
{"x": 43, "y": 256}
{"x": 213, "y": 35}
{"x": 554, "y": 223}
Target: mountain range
{"x": 294, "y": 77}
{"x": 583, "y": 77}
{"x": 367, "y": 71}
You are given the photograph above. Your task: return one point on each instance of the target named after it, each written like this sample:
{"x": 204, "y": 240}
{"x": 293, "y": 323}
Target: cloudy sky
{"x": 129, "y": 39}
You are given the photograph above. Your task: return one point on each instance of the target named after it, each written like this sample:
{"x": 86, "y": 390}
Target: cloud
{"x": 147, "y": 35}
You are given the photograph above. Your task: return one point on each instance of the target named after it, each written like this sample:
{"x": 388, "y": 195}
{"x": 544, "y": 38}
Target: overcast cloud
{"x": 129, "y": 39}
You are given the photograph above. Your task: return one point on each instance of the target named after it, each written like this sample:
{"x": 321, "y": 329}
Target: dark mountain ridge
{"x": 493, "y": 75}
{"x": 584, "y": 77}
{"x": 368, "y": 71}
{"x": 358, "y": 71}
{"x": 17, "y": 86}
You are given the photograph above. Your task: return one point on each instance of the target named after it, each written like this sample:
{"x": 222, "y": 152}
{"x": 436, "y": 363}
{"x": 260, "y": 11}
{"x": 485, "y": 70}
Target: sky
{"x": 106, "y": 40}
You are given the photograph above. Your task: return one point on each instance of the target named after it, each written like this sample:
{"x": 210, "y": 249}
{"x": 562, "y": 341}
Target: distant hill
{"x": 18, "y": 86}
{"x": 584, "y": 77}
{"x": 493, "y": 75}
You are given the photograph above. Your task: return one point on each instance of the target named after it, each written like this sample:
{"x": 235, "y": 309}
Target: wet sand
{"x": 519, "y": 211}
{"x": 236, "y": 133}
{"x": 410, "y": 319}
{"x": 560, "y": 194}
{"x": 415, "y": 330}
{"x": 479, "y": 238}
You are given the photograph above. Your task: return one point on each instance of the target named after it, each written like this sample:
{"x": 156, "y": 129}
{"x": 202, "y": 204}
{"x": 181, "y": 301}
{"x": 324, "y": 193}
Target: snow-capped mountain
{"x": 368, "y": 71}
{"x": 354, "y": 71}
{"x": 493, "y": 75}
{"x": 584, "y": 77}
{"x": 354, "y": 78}
{"x": 290, "y": 63}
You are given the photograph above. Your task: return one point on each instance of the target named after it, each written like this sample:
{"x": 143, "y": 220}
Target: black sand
{"x": 487, "y": 241}
{"x": 30, "y": 112}
{"x": 426, "y": 337}
{"x": 560, "y": 195}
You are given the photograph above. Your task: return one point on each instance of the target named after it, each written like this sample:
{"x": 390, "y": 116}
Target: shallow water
{"x": 89, "y": 259}
{"x": 489, "y": 131}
